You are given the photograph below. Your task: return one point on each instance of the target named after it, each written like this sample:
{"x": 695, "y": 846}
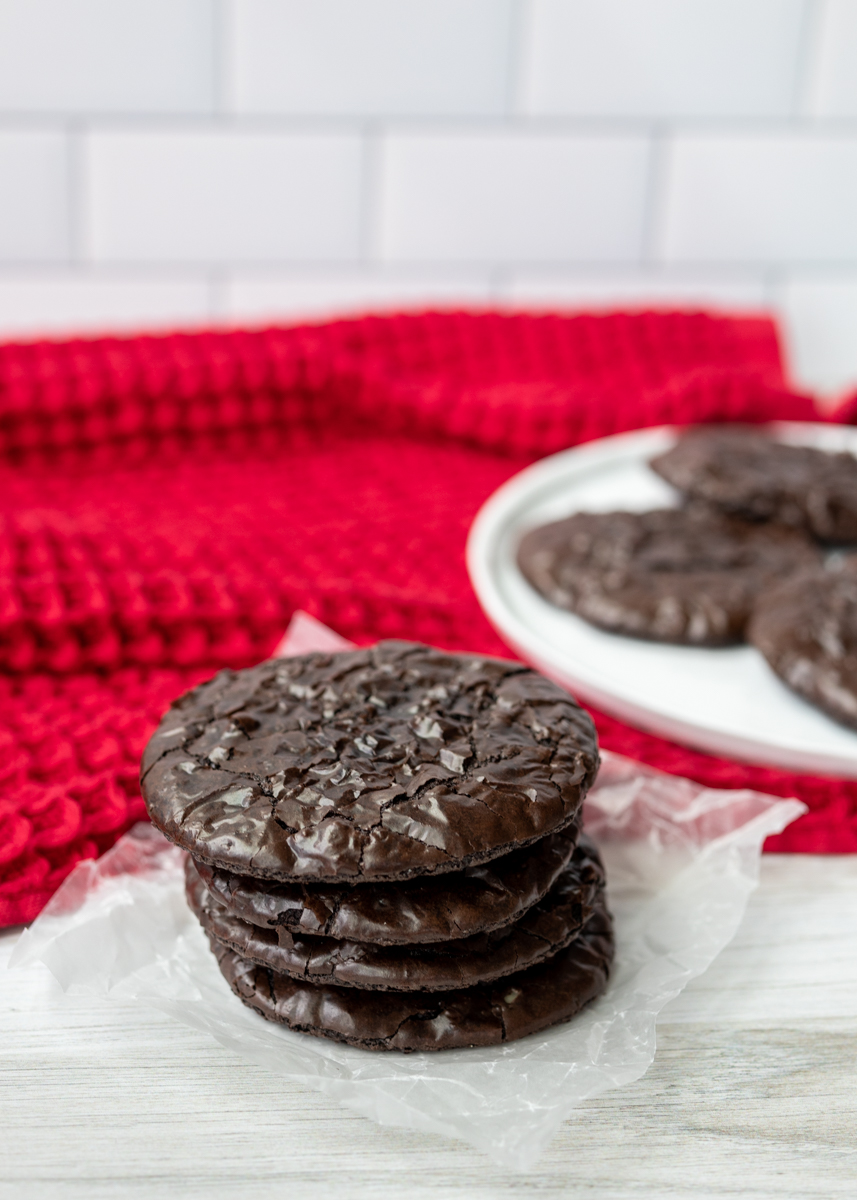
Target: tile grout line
{"x": 571, "y": 125}
{"x": 220, "y": 75}
{"x": 517, "y": 58}
{"x": 76, "y": 197}
{"x": 371, "y": 207}
{"x": 806, "y": 67}
{"x": 839, "y": 268}
{"x": 654, "y": 204}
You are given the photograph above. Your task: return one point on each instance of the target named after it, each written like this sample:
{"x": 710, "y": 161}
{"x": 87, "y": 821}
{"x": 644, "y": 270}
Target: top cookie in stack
{"x": 385, "y": 843}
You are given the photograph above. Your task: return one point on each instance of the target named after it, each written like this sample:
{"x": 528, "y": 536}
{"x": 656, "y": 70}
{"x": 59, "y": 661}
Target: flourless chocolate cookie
{"x": 375, "y": 764}
{"x": 687, "y": 575}
{"x": 807, "y": 630}
{"x": 433, "y": 909}
{"x": 484, "y": 1015}
{"x": 740, "y": 470}
{"x": 548, "y": 927}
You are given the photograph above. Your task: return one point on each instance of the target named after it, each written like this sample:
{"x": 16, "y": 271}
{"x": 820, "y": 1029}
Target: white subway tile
{"x": 662, "y": 58}
{"x": 370, "y": 57}
{"x": 66, "y": 303}
{"x": 833, "y": 87}
{"x": 637, "y": 291}
{"x": 820, "y": 320}
{"x": 775, "y": 198}
{"x": 33, "y": 197}
{"x": 506, "y": 197}
{"x": 294, "y": 297}
{"x": 223, "y": 196}
{"x": 105, "y": 56}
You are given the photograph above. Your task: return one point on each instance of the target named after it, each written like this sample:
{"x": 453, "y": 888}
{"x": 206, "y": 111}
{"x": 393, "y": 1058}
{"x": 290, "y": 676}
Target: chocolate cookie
{"x": 549, "y": 926}
{"x": 807, "y": 630}
{"x": 740, "y": 470}
{"x": 433, "y": 909}
{"x": 686, "y": 575}
{"x": 484, "y": 1015}
{"x": 375, "y": 764}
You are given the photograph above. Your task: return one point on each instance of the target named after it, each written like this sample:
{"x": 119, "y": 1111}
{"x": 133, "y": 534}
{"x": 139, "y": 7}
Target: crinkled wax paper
{"x": 681, "y": 862}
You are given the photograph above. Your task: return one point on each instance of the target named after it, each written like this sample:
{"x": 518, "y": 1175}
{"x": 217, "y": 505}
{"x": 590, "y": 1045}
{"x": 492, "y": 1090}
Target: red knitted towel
{"x": 168, "y": 502}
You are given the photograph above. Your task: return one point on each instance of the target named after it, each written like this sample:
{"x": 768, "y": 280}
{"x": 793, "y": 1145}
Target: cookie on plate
{"x": 484, "y": 1015}
{"x": 541, "y": 932}
{"x": 743, "y": 471}
{"x": 807, "y": 630}
{"x": 686, "y": 575}
{"x": 377, "y": 764}
{"x": 432, "y": 909}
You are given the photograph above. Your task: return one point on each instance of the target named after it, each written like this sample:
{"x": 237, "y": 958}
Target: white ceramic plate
{"x": 726, "y": 701}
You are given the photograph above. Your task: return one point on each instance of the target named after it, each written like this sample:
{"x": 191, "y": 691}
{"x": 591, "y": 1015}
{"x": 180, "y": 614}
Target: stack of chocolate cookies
{"x": 385, "y": 844}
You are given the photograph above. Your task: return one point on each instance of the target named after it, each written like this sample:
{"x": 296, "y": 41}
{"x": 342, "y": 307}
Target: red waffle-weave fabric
{"x": 167, "y": 502}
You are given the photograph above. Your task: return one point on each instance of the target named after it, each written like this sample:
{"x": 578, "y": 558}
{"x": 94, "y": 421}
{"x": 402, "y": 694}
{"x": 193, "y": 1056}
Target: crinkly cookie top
{"x": 375, "y": 764}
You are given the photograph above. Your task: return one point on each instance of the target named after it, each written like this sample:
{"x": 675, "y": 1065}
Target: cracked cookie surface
{"x": 541, "y": 932}
{"x": 377, "y": 764}
{"x": 431, "y": 909}
{"x": 742, "y": 471}
{"x": 484, "y": 1015}
{"x": 807, "y": 630}
{"x": 683, "y": 575}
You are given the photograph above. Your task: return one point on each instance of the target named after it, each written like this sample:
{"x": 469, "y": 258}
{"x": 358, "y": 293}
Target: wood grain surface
{"x": 753, "y": 1092}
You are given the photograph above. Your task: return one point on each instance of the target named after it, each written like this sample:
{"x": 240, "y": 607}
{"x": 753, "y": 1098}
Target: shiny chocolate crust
{"x": 742, "y": 471}
{"x": 807, "y": 630}
{"x": 376, "y": 764}
{"x": 484, "y": 1015}
{"x": 549, "y": 926}
{"x": 436, "y": 908}
{"x": 685, "y": 575}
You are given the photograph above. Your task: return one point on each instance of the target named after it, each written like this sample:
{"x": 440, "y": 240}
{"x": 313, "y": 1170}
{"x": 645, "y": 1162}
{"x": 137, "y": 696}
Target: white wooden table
{"x": 753, "y": 1092}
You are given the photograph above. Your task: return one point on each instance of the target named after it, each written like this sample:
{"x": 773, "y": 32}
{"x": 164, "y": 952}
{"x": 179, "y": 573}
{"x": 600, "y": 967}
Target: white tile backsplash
{"x": 833, "y": 78}
{"x": 637, "y": 291}
{"x": 254, "y": 297}
{"x": 765, "y": 198}
{"x": 376, "y": 57}
{"x": 106, "y": 56}
{"x": 34, "y": 196}
{"x": 663, "y": 58}
{"x": 65, "y": 303}
{"x": 174, "y": 161}
{"x": 512, "y": 197}
{"x": 223, "y": 196}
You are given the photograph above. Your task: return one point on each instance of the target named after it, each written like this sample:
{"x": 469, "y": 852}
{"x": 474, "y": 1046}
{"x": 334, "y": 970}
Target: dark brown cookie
{"x": 432, "y": 909}
{"x": 740, "y": 470}
{"x": 484, "y": 1015}
{"x": 807, "y": 630}
{"x": 376, "y": 764}
{"x": 687, "y": 575}
{"x": 549, "y": 926}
